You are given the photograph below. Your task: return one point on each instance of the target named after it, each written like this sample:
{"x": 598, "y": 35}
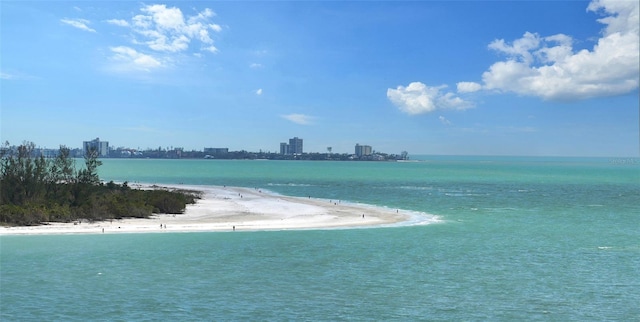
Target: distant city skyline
{"x": 294, "y": 146}
{"x": 530, "y": 78}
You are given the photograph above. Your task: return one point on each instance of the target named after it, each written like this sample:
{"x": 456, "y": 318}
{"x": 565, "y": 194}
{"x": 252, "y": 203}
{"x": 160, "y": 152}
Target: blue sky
{"x": 549, "y": 78}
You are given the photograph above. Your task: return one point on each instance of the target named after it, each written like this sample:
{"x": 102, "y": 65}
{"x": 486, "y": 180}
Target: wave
{"x": 290, "y": 185}
{"x": 446, "y": 192}
{"x": 462, "y": 194}
{"x": 417, "y": 218}
{"x": 414, "y": 217}
{"x": 415, "y": 188}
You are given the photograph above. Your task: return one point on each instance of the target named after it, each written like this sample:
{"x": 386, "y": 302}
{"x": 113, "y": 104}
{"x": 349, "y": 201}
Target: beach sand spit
{"x": 237, "y": 209}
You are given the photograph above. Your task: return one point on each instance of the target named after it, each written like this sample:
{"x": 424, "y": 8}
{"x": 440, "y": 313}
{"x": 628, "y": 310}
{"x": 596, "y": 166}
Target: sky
{"x": 533, "y": 78}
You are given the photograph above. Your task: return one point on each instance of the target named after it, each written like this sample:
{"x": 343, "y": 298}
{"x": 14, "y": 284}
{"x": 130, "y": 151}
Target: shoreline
{"x": 224, "y": 209}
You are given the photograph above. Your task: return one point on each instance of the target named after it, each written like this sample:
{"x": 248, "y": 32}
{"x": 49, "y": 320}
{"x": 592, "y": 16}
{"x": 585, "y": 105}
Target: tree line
{"x": 36, "y": 190}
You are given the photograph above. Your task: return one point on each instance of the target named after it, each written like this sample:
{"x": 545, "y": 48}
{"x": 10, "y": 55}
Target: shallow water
{"x": 535, "y": 239}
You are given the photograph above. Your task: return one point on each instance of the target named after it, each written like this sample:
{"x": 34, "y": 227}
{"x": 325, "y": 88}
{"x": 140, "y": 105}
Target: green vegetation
{"x": 36, "y": 190}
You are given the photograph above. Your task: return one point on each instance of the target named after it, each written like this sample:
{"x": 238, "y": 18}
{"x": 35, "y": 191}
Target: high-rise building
{"x": 100, "y": 147}
{"x": 363, "y": 150}
{"x": 295, "y": 146}
{"x": 284, "y": 148}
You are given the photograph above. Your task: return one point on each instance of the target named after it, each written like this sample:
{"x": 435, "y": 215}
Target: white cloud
{"x": 418, "y": 98}
{"x": 163, "y": 17}
{"x": 6, "y": 76}
{"x": 166, "y": 29}
{"x": 259, "y": 91}
{"x": 215, "y": 27}
{"x": 78, "y": 23}
{"x": 128, "y": 59}
{"x": 211, "y": 49}
{"x": 203, "y": 15}
{"x": 468, "y": 87}
{"x": 298, "y": 118}
{"x": 444, "y": 121}
{"x": 520, "y": 48}
{"x": 549, "y": 67}
{"x": 255, "y": 65}
{"x": 118, "y": 22}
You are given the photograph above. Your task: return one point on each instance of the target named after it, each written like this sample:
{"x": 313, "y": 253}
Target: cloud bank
{"x": 159, "y": 31}
{"x": 168, "y": 30}
{"x": 548, "y": 67}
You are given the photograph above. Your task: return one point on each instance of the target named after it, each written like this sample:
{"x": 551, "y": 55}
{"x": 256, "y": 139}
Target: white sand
{"x": 223, "y": 208}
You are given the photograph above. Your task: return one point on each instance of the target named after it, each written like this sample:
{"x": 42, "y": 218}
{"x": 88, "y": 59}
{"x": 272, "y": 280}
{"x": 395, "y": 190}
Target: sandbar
{"x": 224, "y": 208}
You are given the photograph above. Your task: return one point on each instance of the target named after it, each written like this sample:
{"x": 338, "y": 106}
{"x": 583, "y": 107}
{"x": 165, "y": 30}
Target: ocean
{"x": 554, "y": 239}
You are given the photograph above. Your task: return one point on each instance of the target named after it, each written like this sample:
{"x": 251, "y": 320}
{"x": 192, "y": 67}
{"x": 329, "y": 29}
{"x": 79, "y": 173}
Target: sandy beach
{"x": 241, "y": 209}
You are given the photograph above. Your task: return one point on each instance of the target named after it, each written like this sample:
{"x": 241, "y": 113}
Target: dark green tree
{"x": 89, "y": 175}
{"x": 61, "y": 176}
{"x": 22, "y": 175}
{"x": 34, "y": 190}
{"x": 63, "y": 166}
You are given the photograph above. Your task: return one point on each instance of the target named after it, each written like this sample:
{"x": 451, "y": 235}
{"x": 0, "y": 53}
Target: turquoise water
{"x": 521, "y": 238}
